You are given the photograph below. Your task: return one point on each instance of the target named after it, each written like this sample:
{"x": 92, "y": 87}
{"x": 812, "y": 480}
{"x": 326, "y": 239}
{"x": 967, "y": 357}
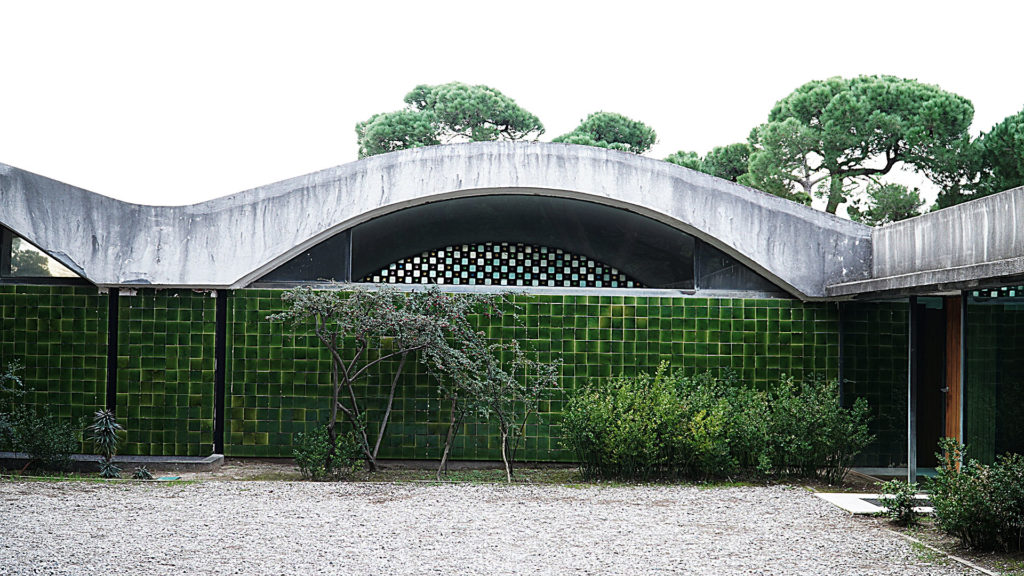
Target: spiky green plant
{"x": 103, "y": 434}
{"x": 142, "y": 473}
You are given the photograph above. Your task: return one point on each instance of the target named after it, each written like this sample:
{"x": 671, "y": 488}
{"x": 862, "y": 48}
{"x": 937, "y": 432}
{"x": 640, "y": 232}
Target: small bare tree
{"x": 379, "y": 325}
{"x": 515, "y": 385}
{"x": 466, "y": 392}
{"x": 499, "y": 381}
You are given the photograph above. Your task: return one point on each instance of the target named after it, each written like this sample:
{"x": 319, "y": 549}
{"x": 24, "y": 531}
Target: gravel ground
{"x": 218, "y": 527}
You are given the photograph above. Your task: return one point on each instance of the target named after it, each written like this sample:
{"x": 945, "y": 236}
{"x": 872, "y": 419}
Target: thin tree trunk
{"x": 504, "y": 453}
{"x": 387, "y": 411}
{"x": 453, "y": 424}
{"x": 332, "y": 431}
{"x": 519, "y": 437}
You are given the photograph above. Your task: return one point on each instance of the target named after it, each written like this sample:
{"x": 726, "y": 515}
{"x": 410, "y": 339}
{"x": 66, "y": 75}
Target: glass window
{"x": 644, "y": 250}
{"x": 716, "y": 270}
{"x": 327, "y": 261}
{"x": 875, "y": 363}
{"x": 23, "y": 260}
{"x": 522, "y": 240}
{"x": 502, "y": 264}
{"x": 994, "y": 372}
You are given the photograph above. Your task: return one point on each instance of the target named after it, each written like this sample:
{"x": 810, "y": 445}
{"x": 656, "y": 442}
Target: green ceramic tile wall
{"x": 994, "y": 387}
{"x": 165, "y": 365}
{"x": 278, "y": 375}
{"x": 875, "y": 368}
{"x": 59, "y": 333}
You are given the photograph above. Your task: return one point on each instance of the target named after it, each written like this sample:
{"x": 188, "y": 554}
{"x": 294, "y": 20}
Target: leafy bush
{"x": 670, "y": 426}
{"x": 629, "y": 428}
{"x": 48, "y": 442}
{"x": 810, "y": 434}
{"x": 981, "y": 505}
{"x": 11, "y": 390}
{"x": 899, "y": 499}
{"x": 317, "y": 459}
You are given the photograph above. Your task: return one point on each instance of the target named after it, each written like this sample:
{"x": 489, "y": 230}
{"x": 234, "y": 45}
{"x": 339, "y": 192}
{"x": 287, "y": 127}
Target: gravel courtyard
{"x": 216, "y": 527}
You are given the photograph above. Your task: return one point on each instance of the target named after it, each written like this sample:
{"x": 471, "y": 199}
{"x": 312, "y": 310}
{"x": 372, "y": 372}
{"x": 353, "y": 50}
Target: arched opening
{"x": 520, "y": 240}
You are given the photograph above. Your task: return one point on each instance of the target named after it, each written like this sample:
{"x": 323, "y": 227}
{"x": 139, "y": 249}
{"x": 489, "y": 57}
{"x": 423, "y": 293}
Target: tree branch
{"x": 391, "y": 401}
{"x": 385, "y": 357}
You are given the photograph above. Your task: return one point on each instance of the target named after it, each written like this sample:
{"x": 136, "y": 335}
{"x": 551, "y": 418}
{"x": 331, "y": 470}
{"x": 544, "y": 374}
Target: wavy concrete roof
{"x": 230, "y": 241}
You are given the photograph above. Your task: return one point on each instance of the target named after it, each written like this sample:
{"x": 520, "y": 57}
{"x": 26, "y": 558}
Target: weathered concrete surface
{"x": 230, "y": 241}
{"x": 951, "y": 249}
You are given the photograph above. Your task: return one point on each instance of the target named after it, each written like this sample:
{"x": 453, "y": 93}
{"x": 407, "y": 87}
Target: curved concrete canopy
{"x": 233, "y": 240}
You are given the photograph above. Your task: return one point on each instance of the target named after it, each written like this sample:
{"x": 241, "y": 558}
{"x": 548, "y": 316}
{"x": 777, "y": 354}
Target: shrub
{"x": 981, "y": 505}
{"x": 1007, "y": 477}
{"x": 810, "y": 434}
{"x": 669, "y": 425}
{"x": 48, "y": 442}
{"x": 899, "y": 499}
{"x": 628, "y": 428}
{"x": 11, "y": 390}
{"x": 318, "y": 460}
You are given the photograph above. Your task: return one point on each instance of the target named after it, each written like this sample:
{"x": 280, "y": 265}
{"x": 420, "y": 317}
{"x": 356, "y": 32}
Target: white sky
{"x": 179, "y": 102}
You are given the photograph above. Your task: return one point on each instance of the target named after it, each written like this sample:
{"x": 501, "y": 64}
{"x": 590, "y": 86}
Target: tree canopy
{"x": 447, "y": 113}
{"x": 830, "y": 135}
{"x": 884, "y": 204}
{"x": 390, "y": 131}
{"x": 686, "y": 159}
{"x": 614, "y": 131}
{"x": 727, "y": 162}
{"x": 835, "y": 139}
{"x": 1001, "y": 152}
{"x": 26, "y": 261}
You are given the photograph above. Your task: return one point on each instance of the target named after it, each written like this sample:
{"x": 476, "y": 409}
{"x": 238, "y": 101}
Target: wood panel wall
{"x": 953, "y": 384}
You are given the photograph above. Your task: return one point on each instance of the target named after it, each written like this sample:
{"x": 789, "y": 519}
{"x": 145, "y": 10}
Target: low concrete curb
{"x": 90, "y": 462}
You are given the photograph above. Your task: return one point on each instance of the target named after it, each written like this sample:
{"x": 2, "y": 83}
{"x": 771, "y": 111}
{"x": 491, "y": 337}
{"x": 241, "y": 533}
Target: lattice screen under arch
{"x": 502, "y": 264}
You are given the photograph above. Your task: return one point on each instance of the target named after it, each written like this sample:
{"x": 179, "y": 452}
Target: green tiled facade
{"x": 994, "y": 387}
{"x": 277, "y": 375}
{"x": 59, "y": 333}
{"x": 165, "y": 364}
{"x": 875, "y": 368}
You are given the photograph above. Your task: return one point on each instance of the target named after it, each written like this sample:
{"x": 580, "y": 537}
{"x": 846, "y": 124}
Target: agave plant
{"x": 103, "y": 434}
{"x": 142, "y": 473}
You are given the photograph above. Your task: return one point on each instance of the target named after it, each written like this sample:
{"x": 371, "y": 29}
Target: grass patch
{"x": 1010, "y": 566}
{"x": 545, "y": 475}
{"x": 271, "y": 476}
{"x": 927, "y": 555}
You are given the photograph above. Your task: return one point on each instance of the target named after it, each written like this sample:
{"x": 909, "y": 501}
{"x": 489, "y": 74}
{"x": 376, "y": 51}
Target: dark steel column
{"x": 220, "y": 370}
{"x": 842, "y": 356}
{"x": 112, "y": 317}
{"x": 912, "y": 341}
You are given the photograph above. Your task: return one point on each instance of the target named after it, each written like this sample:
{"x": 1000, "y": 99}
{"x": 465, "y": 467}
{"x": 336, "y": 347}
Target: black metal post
{"x": 220, "y": 371}
{"x": 112, "y": 321}
{"x": 842, "y": 356}
{"x": 914, "y": 318}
